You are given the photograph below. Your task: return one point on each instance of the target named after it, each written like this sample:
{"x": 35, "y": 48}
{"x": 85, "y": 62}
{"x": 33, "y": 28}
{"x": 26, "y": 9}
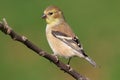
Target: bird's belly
{"x": 60, "y": 48}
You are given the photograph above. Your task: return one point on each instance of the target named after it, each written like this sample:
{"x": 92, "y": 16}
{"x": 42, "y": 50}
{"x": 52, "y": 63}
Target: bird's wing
{"x": 72, "y": 42}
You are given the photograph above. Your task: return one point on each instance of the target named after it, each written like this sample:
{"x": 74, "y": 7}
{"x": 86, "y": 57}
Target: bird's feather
{"x": 74, "y": 43}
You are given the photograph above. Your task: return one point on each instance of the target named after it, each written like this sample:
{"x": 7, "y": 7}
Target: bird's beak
{"x": 44, "y": 16}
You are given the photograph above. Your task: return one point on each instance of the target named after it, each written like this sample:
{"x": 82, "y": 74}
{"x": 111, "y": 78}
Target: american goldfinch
{"x": 60, "y": 36}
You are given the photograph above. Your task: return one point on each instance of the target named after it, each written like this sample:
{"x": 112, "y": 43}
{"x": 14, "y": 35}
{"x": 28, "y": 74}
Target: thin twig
{"x": 5, "y": 28}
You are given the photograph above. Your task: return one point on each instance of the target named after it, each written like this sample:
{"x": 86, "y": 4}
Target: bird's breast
{"x": 58, "y": 47}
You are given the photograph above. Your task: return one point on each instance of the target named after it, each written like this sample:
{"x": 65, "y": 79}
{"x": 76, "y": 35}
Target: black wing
{"x": 73, "y": 42}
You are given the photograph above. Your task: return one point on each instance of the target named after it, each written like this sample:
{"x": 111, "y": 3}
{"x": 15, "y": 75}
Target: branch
{"x": 5, "y": 28}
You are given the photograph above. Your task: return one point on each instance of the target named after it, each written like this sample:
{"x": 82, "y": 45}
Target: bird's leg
{"x": 69, "y": 60}
{"x": 70, "y": 69}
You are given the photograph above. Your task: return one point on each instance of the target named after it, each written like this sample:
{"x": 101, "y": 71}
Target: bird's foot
{"x": 70, "y": 69}
{"x": 57, "y": 60}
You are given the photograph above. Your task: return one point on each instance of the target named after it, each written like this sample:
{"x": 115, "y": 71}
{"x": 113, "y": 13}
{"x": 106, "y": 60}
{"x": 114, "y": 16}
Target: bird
{"x": 61, "y": 37}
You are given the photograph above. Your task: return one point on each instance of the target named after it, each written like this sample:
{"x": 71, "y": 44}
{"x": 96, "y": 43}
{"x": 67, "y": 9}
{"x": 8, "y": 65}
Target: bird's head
{"x": 53, "y": 14}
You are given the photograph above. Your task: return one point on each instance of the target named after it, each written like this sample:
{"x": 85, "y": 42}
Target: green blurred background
{"x": 95, "y": 22}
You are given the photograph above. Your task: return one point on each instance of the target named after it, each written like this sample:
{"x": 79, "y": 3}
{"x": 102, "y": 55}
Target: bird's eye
{"x": 50, "y": 13}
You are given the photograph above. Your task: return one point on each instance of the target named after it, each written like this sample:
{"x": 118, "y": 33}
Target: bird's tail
{"x": 91, "y": 61}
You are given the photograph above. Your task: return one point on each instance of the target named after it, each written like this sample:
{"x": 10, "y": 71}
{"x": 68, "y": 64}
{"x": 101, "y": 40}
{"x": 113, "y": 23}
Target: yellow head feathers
{"x": 52, "y": 14}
